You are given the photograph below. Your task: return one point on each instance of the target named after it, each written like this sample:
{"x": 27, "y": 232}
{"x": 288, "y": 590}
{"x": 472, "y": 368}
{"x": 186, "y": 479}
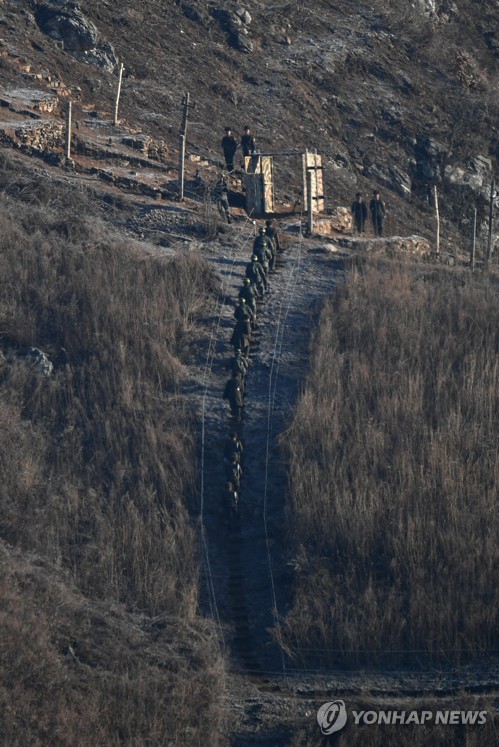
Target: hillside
{"x": 127, "y": 593}
{"x": 397, "y": 99}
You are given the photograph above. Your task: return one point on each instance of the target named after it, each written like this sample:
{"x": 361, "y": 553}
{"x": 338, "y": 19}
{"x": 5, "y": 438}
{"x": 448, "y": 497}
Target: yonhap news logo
{"x": 332, "y": 716}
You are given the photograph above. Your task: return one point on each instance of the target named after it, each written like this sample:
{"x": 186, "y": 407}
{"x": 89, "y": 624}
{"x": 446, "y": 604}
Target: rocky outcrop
{"x": 391, "y": 245}
{"x": 30, "y": 136}
{"x": 236, "y": 23}
{"x": 389, "y": 176}
{"x": 339, "y": 220}
{"x": 65, "y": 22}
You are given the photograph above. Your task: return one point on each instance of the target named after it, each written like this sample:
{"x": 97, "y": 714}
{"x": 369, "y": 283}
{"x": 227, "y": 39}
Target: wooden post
{"x": 68, "y": 130}
{"x": 491, "y": 222}
{"x": 118, "y": 93}
{"x": 310, "y": 204}
{"x": 182, "y": 138}
{"x": 473, "y": 240}
{"x": 437, "y": 216}
{"x": 181, "y": 166}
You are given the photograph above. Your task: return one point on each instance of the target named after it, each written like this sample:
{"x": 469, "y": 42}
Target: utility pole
{"x": 182, "y": 137}
{"x": 68, "y": 130}
{"x": 491, "y": 222}
{"x": 117, "y": 103}
{"x": 473, "y": 240}
{"x": 437, "y": 216}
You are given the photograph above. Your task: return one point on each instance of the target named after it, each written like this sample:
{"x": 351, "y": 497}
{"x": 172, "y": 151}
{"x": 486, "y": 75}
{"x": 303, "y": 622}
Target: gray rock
{"x": 243, "y": 15}
{"x": 38, "y": 360}
{"x": 389, "y": 176}
{"x": 65, "y": 22}
{"x": 243, "y": 42}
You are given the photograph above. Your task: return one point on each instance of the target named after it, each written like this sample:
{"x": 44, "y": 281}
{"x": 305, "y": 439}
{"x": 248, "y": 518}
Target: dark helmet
{"x": 246, "y": 281}
{"x": 254, "y": 258}
{"x": 261, "y": 231}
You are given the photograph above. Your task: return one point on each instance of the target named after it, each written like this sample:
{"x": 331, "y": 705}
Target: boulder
{"x": 65, "y": 22}
{"x": 339, "y": 220}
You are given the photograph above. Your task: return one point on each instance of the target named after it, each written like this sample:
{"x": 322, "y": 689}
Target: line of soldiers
{"x": 263, "y": 262}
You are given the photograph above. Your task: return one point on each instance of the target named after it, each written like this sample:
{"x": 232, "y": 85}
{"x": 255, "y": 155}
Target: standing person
{"x": 221, "y": 197}
{"x": 359, "y": 212}
{"x": 229, "y": 147}
{"x": 378, "y": 212}
{"x": 248, "y": 145}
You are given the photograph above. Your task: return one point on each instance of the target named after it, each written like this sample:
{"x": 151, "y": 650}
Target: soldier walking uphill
{"x": 233, "y": 446}
{"x": 248, "y": 294}
{"x": 231, "y": 502}
{"x": 271, "y": 232}
{"x": 241, "y": 336}
{"x": 262, "y": 247}
{"x": 234, "y": 395}
{"x": 239, "y": 363}
{"x": 243, "y": 311}
{"x": 221, "y": 197}
{"x": 255, "y": 273}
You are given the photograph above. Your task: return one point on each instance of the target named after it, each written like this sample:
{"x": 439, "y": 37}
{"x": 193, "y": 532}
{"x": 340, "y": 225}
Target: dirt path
{"x": 247, "y": 577}
{"x": 248, "y": 563}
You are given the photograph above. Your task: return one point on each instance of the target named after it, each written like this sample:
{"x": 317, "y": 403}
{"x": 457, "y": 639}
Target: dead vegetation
{"x": 394, "y": 470}
{"x": 98, "y": 467}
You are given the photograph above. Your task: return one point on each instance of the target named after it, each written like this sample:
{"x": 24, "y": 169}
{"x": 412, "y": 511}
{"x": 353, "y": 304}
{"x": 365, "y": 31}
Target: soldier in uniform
{"x": 247, "y": 293}
{"x": 231, "y": 502}
{"x": 243, "y": 311}
{"x": 233, "y": 446}
{"x": 234, "y": 471}
{"x": 241, "y": 336}
{"x": 254, "y": 271}
{"x": 233, "y": 393}
{"x": 262, "y": 249}
{"x": 271, "y": 232}
{"x": 239, "y": 364}
{"x": 221, "y": 197}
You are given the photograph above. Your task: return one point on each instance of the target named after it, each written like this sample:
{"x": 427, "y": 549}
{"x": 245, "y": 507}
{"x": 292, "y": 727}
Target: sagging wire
{"x": 274, "y": 370}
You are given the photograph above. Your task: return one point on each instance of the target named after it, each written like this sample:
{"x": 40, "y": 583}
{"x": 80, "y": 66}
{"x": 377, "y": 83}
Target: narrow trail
{"x": 247, "y": 563}
{"x": 247, "y": 577}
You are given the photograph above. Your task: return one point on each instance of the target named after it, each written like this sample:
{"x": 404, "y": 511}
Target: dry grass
{"x": 76, "y": 672}
{"x": 394, "y": 472}
{"x": 98, "y": 468}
